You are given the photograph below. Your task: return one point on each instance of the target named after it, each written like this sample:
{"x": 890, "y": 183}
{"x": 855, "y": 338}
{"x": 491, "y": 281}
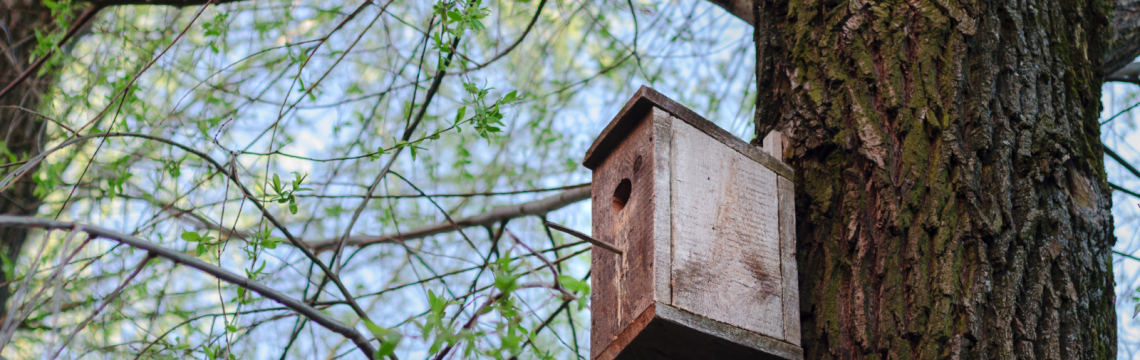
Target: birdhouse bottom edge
{"x": 666, "y": 332}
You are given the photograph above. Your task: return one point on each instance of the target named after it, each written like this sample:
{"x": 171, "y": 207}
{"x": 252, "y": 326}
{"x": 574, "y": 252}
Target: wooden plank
{"x": 666, "y": 332}
{"x": 774, "y": 145}
{"x": 726, "y": 246}
{"x": 629, "y": 227}
{"x": 786, "y": 192}
{"x": 663, "y": 206}
{"x": 630, "y": 333}
{"x": 646, "y": 99}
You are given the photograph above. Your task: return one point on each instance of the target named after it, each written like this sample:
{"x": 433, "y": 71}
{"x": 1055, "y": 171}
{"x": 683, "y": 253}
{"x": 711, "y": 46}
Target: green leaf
{"x": 377, "y": 331}
{"x": 459, "y": 114}
{"x": 191, "y": 236}
{"x": 574, "y": 285}
{"x": 389, "y": 339}
{"x": 270, "y": 243}
{"x": 509, "y": 98}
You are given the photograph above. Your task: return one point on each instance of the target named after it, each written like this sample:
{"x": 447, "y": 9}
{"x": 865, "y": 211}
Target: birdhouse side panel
{"x": 726, "y": 246}
{"x": 788, "y": 263}
{"x": 623, "y": 215}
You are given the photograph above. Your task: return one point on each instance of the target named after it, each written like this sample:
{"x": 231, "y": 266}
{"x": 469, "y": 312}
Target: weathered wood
{"x": 640, "y": 104}
{"x": 666, "y": 332}
{"x": 696, "y": 213}
{"x": 631, "y": 229}
{"x": 726, "y": 238}
{"x": 662, "y": 211}
{"x": 785, "y": 190}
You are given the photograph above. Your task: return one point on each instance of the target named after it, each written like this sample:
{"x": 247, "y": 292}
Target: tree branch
{"x": 1123, "y": 190}
{"x": 232, "y": 176}
{"x": 1124, "y": 39}
{"x": 533, "y": 20}
{"x": 212, "y": 270}
{"x": 174, "y": 3}
{"x": 1122, "y": 162}
{"x": 741, "y": 8}
{"x": 1129, "y": 73}
{"x": 74, "y": 29}
{"x": 1123, "y": 45}
{"x": 107, "y": 300}
{"x": 537, "y": 207}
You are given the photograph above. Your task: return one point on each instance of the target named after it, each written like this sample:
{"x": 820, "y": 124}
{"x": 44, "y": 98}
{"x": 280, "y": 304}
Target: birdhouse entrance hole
{"x": 621, "y": 194}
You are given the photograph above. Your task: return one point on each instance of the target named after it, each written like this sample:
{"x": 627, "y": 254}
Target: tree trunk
{"x": 20, "y": 130}
{"x": 951, "y": 198}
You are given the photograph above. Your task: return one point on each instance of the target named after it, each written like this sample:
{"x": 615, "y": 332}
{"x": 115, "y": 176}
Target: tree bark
{"x": 21, "y": 131}
{"x": 951, "y": 197}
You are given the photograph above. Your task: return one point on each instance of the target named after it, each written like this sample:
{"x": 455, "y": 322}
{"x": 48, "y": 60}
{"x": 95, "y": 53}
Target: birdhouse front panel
{"x": 726, "y": 243}
{"x": 702, "y": 226}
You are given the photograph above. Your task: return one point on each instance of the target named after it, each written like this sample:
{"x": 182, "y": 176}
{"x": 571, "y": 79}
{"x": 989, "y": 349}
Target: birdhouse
{"x": 703, "y": 230}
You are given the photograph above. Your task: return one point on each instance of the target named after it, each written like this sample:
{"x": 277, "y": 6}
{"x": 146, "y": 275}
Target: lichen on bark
{"x": 951, "y": 197}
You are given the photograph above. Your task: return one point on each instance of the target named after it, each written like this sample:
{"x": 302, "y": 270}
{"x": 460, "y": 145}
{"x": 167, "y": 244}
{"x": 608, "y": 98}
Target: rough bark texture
{"x": 951, "y": 196}
{"x": 20, "y": 130}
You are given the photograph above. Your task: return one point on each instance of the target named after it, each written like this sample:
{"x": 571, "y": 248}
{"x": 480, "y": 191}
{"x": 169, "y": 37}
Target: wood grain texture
{"x": 662, "y": 211}
{"x": 623, "y": 285}
{"x": 785, "y": 190}
{"x": 629, "y": 334}
{"x": 726, "y": 246}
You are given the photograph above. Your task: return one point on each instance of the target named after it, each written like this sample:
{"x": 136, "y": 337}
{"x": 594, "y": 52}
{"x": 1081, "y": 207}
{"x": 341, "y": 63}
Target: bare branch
{"x": 407, "y": 136}
{"x": 74, "y": 29}
{"x": 111, "y": 297}
{"x": 174, "y": 3}
{"x": 741, "y": 8}
{"x": 1124, "y": 36}
{"x": 537, "y": 207}
{"x": 212, "y": 270}
{"x": 232, "y": 176}
{"x": 1123, "y": 45}
{"x": 533, "y": 20}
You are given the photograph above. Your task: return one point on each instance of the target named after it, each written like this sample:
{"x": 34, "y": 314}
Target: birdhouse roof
{"x": 646, "y": 99}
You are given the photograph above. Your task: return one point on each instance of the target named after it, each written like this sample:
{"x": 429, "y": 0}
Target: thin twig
{"x": 192, "y": 262}
{"x": 79, "y": 23}
{"x": 537, "y": 207}
{"x": 585, "y": 237}
{"x": 107, "y": 300}
{"x": 407, "y": 135}
{"x": 232, "y": 176}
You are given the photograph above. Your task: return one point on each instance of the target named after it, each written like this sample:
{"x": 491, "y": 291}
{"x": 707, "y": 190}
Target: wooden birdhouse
{"x": 704, "y": 230}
